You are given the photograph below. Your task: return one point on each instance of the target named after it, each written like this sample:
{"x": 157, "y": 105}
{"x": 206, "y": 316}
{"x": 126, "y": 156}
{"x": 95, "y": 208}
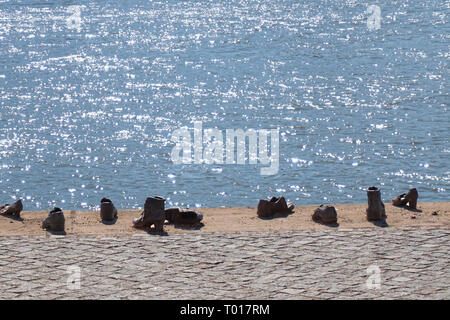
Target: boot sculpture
{"x": 107, "y": 210}
{"x": 179, "y": 216}
{"x": 55, "y": 220}
{"x": 12, "y": 209}
{"x": 409, "y": 199}
{"x": 273, "y": 206}
{"x": 153, "y": 214}
{"x": 325, "y": 215}
{"x": 376, "y": 210}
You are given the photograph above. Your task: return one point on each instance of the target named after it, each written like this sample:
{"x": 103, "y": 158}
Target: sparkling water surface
{"x": 87, "y": 113}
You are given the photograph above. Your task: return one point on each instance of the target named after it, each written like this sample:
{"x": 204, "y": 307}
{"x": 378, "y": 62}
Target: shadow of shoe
{"x": 20, "y": 219}
{"x": 56, "y": 233}
{"x": 278, "y": 215}
{"x": 111, "y": 222}
{"x": 411, "y": 209}
{"x": 331, "y": 225}
{"x": 380, "y": 223}
{"x": 152, "y": 231}
{"x": 196, "y": 226}
{"x": 406, "y": 207}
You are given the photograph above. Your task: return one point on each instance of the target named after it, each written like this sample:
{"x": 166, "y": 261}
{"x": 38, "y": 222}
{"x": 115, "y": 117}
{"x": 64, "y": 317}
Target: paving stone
{"x": 308, "y": 264}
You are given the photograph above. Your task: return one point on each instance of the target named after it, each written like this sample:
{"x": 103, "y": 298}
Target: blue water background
{"x": 88, "y": 113}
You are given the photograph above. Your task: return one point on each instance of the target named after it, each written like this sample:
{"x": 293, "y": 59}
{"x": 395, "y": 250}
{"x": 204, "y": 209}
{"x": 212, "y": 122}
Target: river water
{"x": 88, "y": 101}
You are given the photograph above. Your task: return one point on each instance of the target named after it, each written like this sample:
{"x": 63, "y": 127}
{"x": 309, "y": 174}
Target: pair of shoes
{"x": 55, "y": 220}
{"x": 12, "y": 209}
{"x": 179, "y": 216}
{"x": 275, "y": 205}
{"x": 107, "y": 210}
{"x": 153, "y": 214}
{"x": 325, "y": 215}
{"x": 409, "y": 199}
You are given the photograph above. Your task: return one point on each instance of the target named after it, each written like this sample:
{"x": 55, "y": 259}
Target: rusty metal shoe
{"x": 12, "y": 209}
{"x": 376, "y": 210}
{"x": 409, "y": 199}
{"x": 325, "y": 215}
{"x": 281, "y": 206}
{"x": 268, "y": 208}
{"x": 153, "y": 214}
{"x": 55, "y": 220}
{"x": 107, "y": 210}
{"x": 179, "y": 216}
{"x": 264, "y": 209}
{"x": 412, "y": 197}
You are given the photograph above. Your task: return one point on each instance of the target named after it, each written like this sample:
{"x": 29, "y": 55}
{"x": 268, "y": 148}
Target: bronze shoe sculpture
{"x": 409, "y": 199}
{"x": 412, "y": 197}
{"x": 153, "y": 214}
{"x": 107, "y": 210}
{"x": 179, "y": 216}
{"x": 376, "y": 210}
{"x": 55, "y": 220}
{"x": 268, "y": 208}
{"x": 12, "y": 209}
{"x": 325, "y": 215}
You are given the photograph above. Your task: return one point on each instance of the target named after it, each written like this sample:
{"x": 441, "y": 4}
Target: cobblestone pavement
{"x": 326, "y": 264}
